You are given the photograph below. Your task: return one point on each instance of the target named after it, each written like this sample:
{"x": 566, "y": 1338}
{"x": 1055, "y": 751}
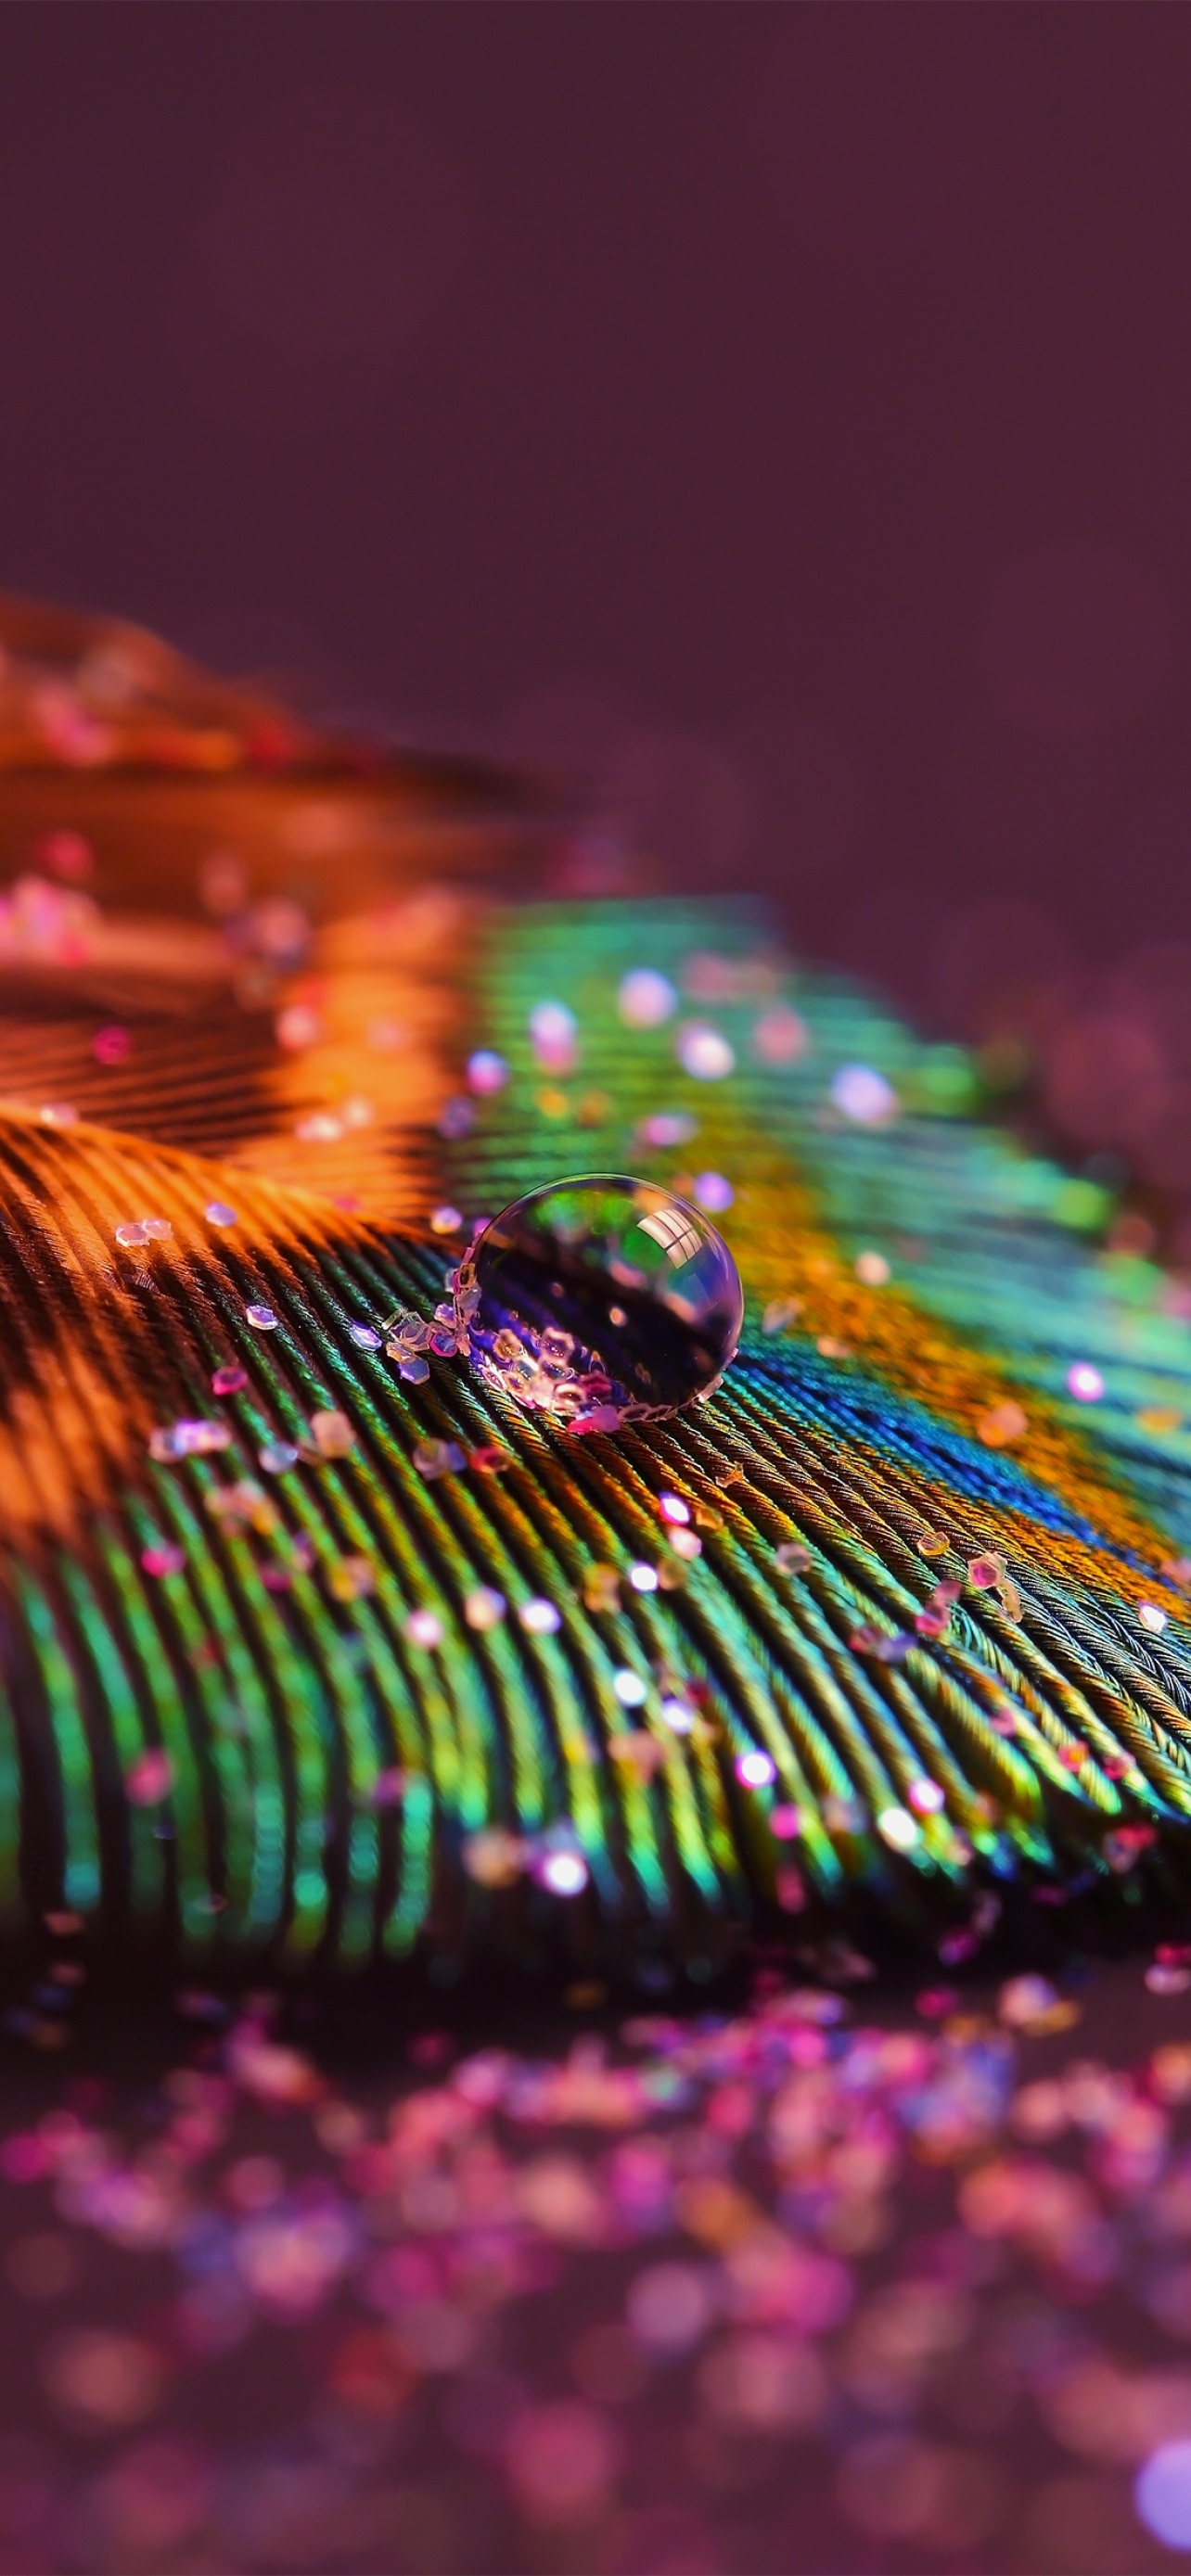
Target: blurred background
{"x": 775, "y": 417}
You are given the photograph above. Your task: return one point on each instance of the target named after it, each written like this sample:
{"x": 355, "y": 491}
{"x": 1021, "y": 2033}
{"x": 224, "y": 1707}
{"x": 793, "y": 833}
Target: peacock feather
{"x": 309, "y": 1654}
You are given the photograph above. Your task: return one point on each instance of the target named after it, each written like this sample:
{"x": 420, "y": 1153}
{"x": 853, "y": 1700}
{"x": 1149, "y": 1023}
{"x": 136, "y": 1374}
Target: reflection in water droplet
{"x": 599, "y": 1300}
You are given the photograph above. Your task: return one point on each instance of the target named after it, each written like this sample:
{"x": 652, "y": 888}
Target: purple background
{"x": 779, "y": 413}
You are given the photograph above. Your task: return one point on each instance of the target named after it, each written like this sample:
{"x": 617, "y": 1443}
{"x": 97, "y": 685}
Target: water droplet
{"x": 599, "y": 1300}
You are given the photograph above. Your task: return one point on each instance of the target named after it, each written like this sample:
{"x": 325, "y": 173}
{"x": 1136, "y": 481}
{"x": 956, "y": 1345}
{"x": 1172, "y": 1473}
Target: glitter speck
{"x": 112, "y": 1045}
{"x": 163, "y": 1559}
{"x": 131, "y": 1234}
{"x": 673, "y": 1508}
{"x": 564, "y": 1873}
{"x": 644, "y": 1578}
{"x": 780, "y": 1037}
{"x": 704, "y": 1052}
{"x": 1085, "y": 1382}
{"x": 864, "y": 1095}
{"x": 190, "y": 1439}
{"x": 552, "y": 1031}
{"x": 149, "y": 1779}
{"x": 229, "y": 1380}
{"x": 262, "y": 1317}
{"x": 1151, "y": 1617}
{"x": 445, "y": 1220}
{"x": 630, "y": 1689}
{"x": 424, "y": 1628}
{"x": 872, "y": 1269}
{"x": 1162, "y": 2494}
{"x": 298, "y": 1027}
{"x": 486, "y": 1072}
{"x": 668, "y": 1127}
{"x": 756, "y": 1770}
{"x": 276, "y": 1455}
{"x": 484, "y": 1607}
{"x": 433, "y": 1458}
{"x": 332, "y": 1433}
{"x": 217, "y": 1212}
{"x": 366, "y": 1336}
{"x": 646, "y": 998}
{"x": 713, "y": 1192}
{"x": 541, "y": 1618}
{"x": 898, "y": 1828}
